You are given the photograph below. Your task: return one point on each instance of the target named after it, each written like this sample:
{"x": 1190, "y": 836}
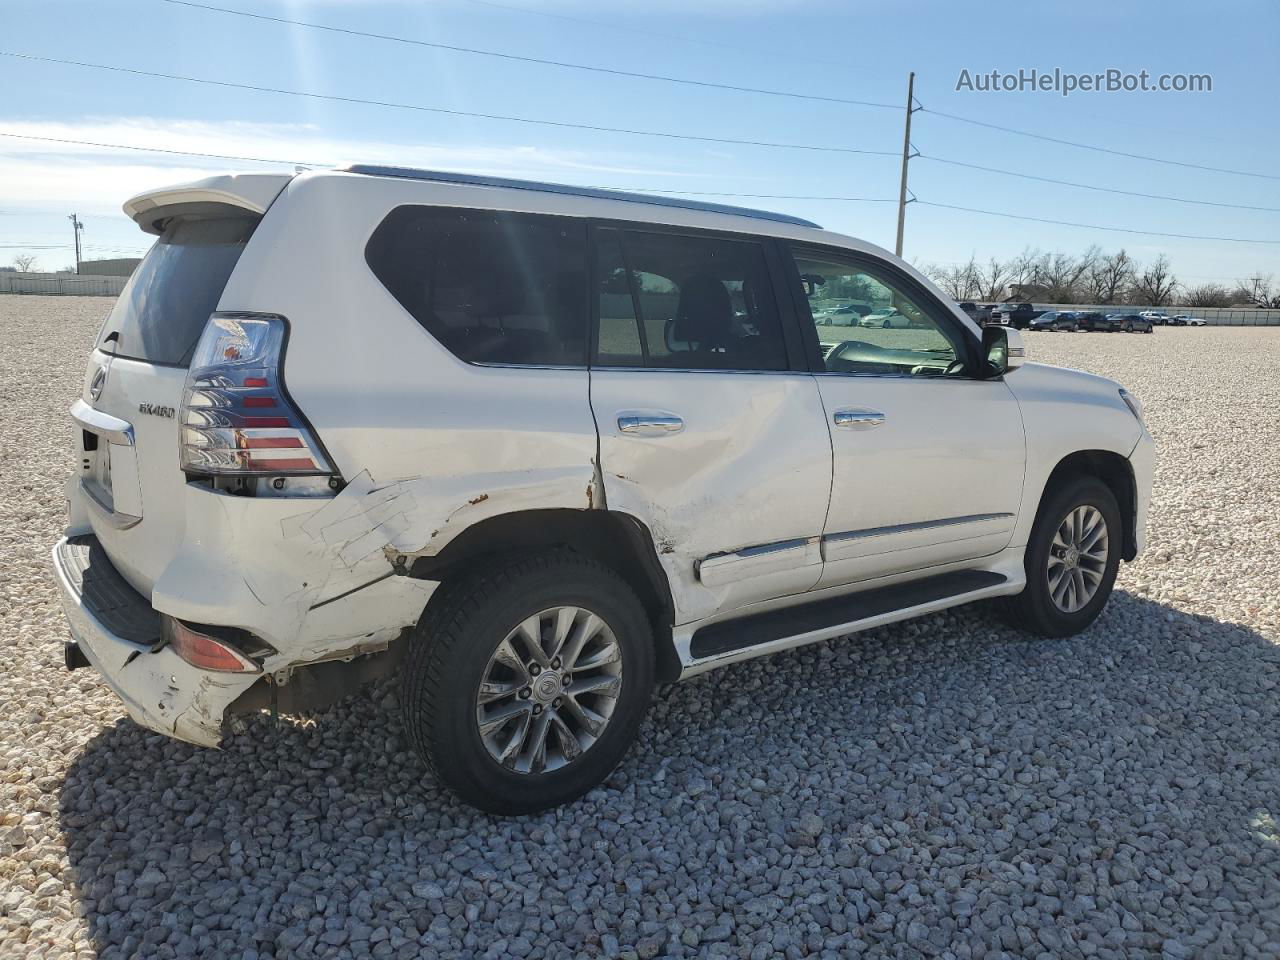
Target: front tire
{"x": 527, "y": 681}
{"x": 1071, "y": 560}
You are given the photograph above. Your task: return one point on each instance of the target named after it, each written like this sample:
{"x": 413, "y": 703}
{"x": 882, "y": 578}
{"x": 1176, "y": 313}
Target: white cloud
{"x": 43, "y": 175}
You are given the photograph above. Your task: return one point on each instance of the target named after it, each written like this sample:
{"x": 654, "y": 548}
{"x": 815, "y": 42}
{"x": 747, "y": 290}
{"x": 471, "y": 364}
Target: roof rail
{"x": 445, "y": 176}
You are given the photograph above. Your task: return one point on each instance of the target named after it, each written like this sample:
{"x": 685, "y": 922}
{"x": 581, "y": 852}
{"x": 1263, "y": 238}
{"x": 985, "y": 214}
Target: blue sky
{"x": 845, "y": 50}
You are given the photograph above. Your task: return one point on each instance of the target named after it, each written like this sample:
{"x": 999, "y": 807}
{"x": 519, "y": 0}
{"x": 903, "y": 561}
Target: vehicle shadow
{"x": 312, "y": 837}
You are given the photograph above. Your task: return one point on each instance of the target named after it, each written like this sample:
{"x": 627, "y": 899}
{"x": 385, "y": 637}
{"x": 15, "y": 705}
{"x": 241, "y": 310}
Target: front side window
{"x": 866, "y": 323}
{"x": 492, "y": 287}
{"x": 684, "y": 302}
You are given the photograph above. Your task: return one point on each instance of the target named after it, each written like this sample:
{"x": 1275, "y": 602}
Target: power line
{"x": 1091, "y": 226}
{"x": 316, "y": 163}
{"x": 559, "y": 124}
{"x": 627, "y": 28}
{"x": 1091, "y": 186}
{"x": 518, "y": 58}
{"x": 180, "y": 153}
{"x": 1095, "y": 147}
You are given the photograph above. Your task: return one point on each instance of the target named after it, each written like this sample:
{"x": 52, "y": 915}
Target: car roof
{"x": 480, "y": 180}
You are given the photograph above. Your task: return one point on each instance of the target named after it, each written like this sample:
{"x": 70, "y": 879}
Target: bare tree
{"x": 24, "y": 262}
{"x": 1109, "y": 276}
{"x": 1061, "y": 274}
{"x": 989, "y": 282}
{"x": 956, "y": 281}
{"x": 1257, "y": 291}
{"x": 1208, "y": 295}
{"x": 1156, "y": 284}
{"x": 1022, "y": 268}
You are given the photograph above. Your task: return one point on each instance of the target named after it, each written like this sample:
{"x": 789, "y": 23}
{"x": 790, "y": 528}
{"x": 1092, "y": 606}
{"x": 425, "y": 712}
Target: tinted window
{"x": 687, "y": 302}
{"x": 868, "y": 322}
{"x": 491, "y": 287}
{"x": 166, "y": 303}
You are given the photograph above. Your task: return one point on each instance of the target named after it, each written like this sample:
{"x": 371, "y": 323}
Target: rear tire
{"x": 551, "y": 747}
{"x": 1045, "y": 606}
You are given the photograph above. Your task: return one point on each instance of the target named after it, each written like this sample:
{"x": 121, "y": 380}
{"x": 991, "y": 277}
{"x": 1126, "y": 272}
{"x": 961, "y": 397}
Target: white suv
{"x": 535, "y": 448}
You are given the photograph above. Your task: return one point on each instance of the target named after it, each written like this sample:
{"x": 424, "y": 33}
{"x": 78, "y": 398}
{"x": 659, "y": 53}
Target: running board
{"x": 826, "y": 618}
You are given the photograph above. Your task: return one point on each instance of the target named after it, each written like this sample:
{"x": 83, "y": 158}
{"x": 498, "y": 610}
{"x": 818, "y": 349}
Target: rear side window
{"x": 166, "y": 303}
{"x": 491, "y": 287}
{"x": 685, "y": 302}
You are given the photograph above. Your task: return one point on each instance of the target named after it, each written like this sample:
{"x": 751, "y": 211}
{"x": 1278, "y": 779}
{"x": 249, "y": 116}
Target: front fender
{"x": 1064, "y": 412}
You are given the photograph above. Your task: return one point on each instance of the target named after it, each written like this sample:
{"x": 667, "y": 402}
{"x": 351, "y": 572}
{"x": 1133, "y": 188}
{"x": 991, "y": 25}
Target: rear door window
{"x": 686, "y": 302}
{"x": 166, "y": 303}
{"x": 491, "y": 287}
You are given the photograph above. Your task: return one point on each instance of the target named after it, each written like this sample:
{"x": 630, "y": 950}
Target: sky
{"x": 820, "y": 48}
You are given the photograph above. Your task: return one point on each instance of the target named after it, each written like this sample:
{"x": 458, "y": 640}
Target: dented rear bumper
{"x": 242, "y": 562}
{"x": 119, "y": 634}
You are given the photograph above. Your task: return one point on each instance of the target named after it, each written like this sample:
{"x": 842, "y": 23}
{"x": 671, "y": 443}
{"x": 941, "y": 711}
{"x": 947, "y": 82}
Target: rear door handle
{"x": 650, "y": 425}
{"x": 858, "y": 419}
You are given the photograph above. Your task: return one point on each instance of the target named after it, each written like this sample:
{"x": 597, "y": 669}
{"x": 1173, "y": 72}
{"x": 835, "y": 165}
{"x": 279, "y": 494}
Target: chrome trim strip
{"x": 103, "y": 424}
{"x": 719, "y": 568}
{"x": 912, "y": 527}
{"x": 121, "y": 521}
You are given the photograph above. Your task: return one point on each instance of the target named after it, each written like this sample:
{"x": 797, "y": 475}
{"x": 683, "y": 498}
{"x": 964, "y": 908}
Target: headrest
{"x": 704, "y": 315}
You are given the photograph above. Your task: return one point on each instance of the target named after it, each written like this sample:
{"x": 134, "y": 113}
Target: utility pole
{"x": 906, "y": 156}
{"x": 78, "y": 226}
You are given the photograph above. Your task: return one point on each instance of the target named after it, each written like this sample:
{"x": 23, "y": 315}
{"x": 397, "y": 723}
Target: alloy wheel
{"x": 1077, "y": 558}
{"x": 549, "y": 690}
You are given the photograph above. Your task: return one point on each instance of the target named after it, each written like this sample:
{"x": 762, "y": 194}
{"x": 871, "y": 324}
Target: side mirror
{"x": 1002, "y": 349}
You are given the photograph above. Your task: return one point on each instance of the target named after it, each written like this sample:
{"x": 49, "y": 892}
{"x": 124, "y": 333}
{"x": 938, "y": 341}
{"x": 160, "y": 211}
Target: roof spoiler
{"x": 249, "y": 192}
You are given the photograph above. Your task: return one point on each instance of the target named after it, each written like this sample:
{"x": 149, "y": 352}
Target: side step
{"x": 761, "y": 628}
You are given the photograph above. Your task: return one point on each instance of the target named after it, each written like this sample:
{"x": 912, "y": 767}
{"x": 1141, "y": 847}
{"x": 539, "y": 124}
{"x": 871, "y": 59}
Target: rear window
{"x": 164, "y": 307}
{"x": 491, "y": 287}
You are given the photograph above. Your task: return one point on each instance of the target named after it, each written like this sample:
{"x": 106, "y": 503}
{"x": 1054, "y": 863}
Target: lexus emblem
{"x": 97, "y": 383}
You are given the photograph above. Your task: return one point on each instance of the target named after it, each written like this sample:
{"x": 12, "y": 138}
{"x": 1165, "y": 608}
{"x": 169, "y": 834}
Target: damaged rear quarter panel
{"x": 426, "y": 444}
{"x": 452, "y": 442}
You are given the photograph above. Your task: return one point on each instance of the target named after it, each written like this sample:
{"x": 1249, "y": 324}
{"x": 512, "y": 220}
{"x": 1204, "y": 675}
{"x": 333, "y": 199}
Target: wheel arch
{"x": 615, "y": 539}
{"x": 1116, "y": 472}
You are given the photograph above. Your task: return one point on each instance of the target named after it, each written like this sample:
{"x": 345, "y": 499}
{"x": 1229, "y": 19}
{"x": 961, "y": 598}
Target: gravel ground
{"x": 942, "y": 788}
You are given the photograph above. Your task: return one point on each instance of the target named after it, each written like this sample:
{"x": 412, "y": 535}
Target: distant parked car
{"x": 1176, "y": 321}
{"x": 1158, "y": 318}
{"x": 885, "y": 318}
{"x": 1016, "y": 315}
{"x": 847, "y": 315}
{"x": 980, "y": 313}
{"x": 1189, "y": 321}
{"x": 1097, "y": 322}
{"x": 1054, "y": 321}
{"x": 1135, "y": 323}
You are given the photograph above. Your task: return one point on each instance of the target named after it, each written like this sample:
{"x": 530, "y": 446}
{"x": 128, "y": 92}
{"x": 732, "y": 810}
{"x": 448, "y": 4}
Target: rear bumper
{"x": 119, "y": 634}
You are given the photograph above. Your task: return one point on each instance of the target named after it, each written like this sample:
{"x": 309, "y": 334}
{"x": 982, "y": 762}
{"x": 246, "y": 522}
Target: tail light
{"x": 211, "y": 650}
{"x": 236, "y": 419}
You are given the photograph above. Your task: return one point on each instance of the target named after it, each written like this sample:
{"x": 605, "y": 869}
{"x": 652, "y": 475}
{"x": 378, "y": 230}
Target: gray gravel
{"x": 943, "y": 788}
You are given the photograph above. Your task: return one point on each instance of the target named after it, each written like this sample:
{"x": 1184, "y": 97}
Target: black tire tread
{"x": 442, "y": 628}
{"x": 1017, "y": 610}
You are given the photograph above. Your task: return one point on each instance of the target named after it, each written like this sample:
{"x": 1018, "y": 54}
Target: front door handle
{"x": 650, "y": 425}
{"x": 858, "y": 419}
